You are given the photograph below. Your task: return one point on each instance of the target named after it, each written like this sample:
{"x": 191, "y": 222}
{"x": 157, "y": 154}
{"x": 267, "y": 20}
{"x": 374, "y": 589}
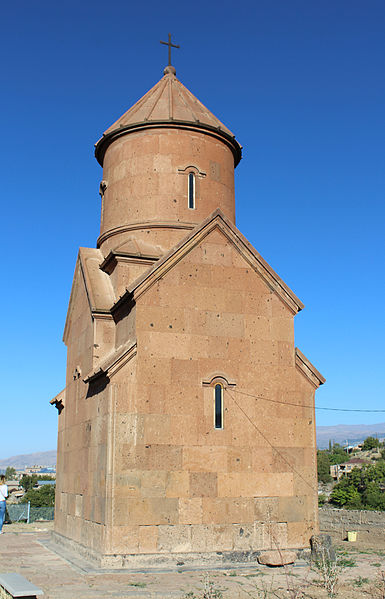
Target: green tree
{"x": 362, "y": 488}
{"x": 323, "y": 466}
{"x": 374, "y": 497}
{"x": 345, "y": 494}
{"x": 337, "y": 455}
{"x": 28, "y": 482}
{"x": 43, "y": 497}
{"x": 370, "y": 443}
{"x": 10, "y": 473}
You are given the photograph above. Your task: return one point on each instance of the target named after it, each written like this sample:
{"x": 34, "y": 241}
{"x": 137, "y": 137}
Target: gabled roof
{"x": 217, "y": 220}
{"x": 169, "y": 103}
{"x": 98, "y": 286}
{"x": 307, "y": 368}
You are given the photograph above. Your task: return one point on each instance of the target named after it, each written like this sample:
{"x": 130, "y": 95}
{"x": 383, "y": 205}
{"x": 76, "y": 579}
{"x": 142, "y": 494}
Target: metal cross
{"x": 170, "y": 45}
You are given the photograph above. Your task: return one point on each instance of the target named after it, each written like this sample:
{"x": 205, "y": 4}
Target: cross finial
{"x": 170, "y": 45}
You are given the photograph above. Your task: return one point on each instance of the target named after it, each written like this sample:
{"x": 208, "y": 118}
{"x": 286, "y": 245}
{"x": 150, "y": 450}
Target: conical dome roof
{"x": 168, "y": 104}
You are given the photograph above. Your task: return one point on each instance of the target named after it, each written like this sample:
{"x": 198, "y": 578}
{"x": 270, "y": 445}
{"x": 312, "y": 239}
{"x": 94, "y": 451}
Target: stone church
{"x": 187, "y": 427}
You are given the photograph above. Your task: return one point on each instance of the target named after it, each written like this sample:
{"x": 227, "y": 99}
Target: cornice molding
{"x": 59, "y": 401}
{"x": 307, "y": 368}
{"x": 143, "y": 225}
{"x": 112, "y": 259}
{"x": 113, "y": 363}
{"x": 104, "y": 142}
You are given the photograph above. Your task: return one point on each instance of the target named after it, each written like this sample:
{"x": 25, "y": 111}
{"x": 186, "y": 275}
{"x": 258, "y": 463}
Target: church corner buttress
{"x": 187, "y": 427}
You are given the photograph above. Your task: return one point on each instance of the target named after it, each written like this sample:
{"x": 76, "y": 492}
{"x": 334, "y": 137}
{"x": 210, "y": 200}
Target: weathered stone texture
{"x": 174, "y": 301}
{"x": 277, "y": 558}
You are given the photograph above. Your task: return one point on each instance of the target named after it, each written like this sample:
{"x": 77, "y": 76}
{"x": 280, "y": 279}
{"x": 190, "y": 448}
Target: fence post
{"x": 29, "y": 508}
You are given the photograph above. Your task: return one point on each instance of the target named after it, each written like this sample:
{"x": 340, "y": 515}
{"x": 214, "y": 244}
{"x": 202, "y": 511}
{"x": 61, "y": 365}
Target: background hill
{"x": 43, "y": 458}
{"x": 353, "y": 433}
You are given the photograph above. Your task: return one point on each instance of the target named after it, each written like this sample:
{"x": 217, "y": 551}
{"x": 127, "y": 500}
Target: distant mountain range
{"x": 353, "y": 433}
{"x": 42, "y": 458}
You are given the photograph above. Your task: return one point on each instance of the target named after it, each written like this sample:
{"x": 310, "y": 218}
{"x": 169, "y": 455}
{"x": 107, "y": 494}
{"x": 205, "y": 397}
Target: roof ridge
{"x": 170, "y": 103}
{"x": 180, "y": 92}
{"x": 164, "y": 81}
{"x": 134, "y": 108}
{"x": 204, "y": 108}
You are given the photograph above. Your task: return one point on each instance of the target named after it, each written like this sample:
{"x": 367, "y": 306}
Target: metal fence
{"x": 18, "y": 512}
{"x": 41, "y": 513}
{"x": 24, "y": 511}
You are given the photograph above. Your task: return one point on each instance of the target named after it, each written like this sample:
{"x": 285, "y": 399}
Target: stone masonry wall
{"x": 179, "y": 484}
{"x": 368, "y": 524}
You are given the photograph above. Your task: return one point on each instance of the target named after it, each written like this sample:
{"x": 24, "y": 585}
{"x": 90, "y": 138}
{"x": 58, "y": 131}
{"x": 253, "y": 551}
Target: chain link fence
{"x": 24, "y": 512}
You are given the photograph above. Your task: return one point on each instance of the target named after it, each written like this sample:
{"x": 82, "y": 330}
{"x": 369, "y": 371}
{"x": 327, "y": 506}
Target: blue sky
{"x": 302, "y": 86}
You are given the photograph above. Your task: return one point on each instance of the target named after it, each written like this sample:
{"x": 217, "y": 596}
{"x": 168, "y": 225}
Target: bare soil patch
{"x": 22, "y": 550}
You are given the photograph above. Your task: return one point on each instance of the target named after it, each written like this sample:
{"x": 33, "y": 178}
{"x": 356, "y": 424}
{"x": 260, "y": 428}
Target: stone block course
{"x": 236, "y": 484}
{"x": 141, "y": 466}
{"x": 148, "y": 539}
{"x": 191, "y": 510}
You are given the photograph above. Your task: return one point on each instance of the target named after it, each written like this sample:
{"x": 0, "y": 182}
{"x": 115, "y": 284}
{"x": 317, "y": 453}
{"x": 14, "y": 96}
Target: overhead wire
{"x": 269, "y": 443}
{"x": 299, "y": 405}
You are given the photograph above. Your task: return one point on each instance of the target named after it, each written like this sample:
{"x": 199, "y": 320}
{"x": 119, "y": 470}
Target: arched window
{"x": 218, "y": 406}
{"x": 191, "y": 191}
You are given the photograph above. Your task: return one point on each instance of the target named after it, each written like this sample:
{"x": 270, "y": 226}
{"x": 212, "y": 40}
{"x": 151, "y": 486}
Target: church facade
{"x": 187, "y": 426}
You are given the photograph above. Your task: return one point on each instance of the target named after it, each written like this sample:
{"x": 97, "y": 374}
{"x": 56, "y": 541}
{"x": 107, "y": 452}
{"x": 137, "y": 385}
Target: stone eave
{"x": 308, "y": 369}
{"x": 216, "y": 220}
{"x": 103, "y": 143}
{"x": 59, "y": 400}
{"x": 113, "y": 362}
{"x": 112, "y": 258}
{"x": 71, "y": 300}
{"x": 97, "y": 286}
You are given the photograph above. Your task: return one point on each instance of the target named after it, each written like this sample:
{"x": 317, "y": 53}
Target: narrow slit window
{"x": 191, "y": 191}
{"x": 218, "y": 413}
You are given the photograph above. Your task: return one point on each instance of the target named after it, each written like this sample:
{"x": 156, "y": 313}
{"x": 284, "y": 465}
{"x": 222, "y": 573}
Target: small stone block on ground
{"x": 277, "y": 558}
{"x": 15, "y": 585}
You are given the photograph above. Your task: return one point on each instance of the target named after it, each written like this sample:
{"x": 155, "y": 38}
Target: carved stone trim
{"x": 216, "y": 132}
{"x": 143, "y": 225}
{"x": 113, "y": 363}
{"x": 102, "y": 188}
{"x": 213, "y": 379}
{"x": 110, "y": 262}
{"x": 58, "y": 401}
{"x": 77, "y": 373}
{"x": 307, "y": 368}
{"x": 191, "y": 169}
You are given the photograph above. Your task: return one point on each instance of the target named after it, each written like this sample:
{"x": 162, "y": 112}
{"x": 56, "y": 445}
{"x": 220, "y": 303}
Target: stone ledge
{"x": 15, "y": 585}
{"x": 90, "y": 561}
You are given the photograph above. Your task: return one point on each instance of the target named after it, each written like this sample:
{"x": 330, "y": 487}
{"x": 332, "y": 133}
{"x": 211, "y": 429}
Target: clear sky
{"x": 301, "y": 84}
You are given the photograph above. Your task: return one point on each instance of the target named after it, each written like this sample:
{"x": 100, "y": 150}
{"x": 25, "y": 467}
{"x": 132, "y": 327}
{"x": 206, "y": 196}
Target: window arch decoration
{"x": 193, "y": 174}
{"x": 219, "y": 384}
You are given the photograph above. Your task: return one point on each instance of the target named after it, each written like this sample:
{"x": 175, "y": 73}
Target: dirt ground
{"x": 24, "y": 548}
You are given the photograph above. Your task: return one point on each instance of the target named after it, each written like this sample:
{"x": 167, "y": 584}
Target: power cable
{"x": 298, "y": 405}
{"x": 269, "y": 443}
